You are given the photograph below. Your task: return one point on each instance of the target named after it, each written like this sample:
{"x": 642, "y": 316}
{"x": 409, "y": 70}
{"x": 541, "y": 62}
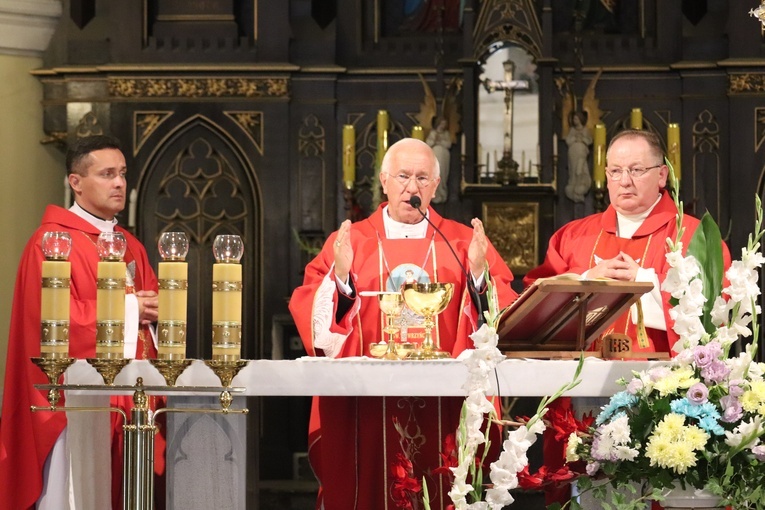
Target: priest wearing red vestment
{"x": 625, "y": 242}
{"x": 35, "y": 464}
{"x": 372, "y": 452}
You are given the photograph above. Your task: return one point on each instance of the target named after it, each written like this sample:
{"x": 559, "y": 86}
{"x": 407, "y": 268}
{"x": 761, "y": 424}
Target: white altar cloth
{"x": 373, "y": 377}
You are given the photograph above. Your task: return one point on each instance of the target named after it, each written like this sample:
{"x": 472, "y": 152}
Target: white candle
{"x": 462, "y": 145}
{"x": 67, "y": 193}
{"x": 131, "y": 210}
{"x": 555, "y": 144}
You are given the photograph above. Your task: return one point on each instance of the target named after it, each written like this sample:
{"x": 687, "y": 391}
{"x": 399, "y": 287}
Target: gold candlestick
{"x": 227, "y": 308}
{"x": 173, "y": 298}
{"x": 110, "y": 306}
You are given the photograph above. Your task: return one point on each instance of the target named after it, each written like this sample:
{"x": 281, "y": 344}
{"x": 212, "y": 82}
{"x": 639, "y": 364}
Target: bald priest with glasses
{"x": 370, "y": 452}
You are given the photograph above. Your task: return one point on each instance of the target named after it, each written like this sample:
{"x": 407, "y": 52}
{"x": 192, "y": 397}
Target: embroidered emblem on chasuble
{"x": 399, "y": 265}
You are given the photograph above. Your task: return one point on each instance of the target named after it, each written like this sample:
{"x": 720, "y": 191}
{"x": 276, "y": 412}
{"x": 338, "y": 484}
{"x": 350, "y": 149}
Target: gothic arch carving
{"x": 200, "y": 182}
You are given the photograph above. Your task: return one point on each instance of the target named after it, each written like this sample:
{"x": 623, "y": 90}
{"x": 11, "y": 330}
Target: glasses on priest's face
{"x": 422, "y": 181}
{"x": 616, "y": 173}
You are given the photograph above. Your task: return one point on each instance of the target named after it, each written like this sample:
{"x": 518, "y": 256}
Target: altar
{"x": 373, "y": 377}
{"x": 206, "y": 455}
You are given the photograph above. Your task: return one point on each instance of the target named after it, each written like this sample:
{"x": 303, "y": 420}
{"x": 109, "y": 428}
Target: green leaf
{"x": 706, "y": 247}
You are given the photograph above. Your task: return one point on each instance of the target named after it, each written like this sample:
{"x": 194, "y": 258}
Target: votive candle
{"x": 349, "y": 155}
{"x": 599, "y": 156}
{"x": 54, "y": 309}
{"x": 673, "y": 147}
{"x": 636, "y": 119}
{"x": 110, "y": 309}
{"x": 227, "y": 311}
{"x": 173, "y": 300}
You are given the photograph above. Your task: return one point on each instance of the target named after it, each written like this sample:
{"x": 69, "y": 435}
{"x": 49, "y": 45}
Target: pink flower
{"x": 698, "y": 393}
{"x": 759, "y": 452}
{"x": 732, "y": 410}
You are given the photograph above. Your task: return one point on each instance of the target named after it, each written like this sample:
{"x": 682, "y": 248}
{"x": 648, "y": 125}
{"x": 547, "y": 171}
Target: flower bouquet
{"x": 466, "y": 456}
{"x": 696, "y": 421}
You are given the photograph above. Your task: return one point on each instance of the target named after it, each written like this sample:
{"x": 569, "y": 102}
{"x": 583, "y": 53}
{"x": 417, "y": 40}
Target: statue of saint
{"x": 578, "y": 140}
{"x": 440, "y": 139}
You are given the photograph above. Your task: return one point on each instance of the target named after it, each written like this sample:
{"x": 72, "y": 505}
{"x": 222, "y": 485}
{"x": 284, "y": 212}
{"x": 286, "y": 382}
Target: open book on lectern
{"x": 564, "y": 313}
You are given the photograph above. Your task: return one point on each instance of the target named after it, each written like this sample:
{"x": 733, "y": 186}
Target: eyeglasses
{"x": 615, "y": 174}
{"x": 403, "y": 179}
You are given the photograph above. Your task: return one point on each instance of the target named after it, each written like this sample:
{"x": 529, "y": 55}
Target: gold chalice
{"x": 391, "y": 304}
{"x": 428, "y": 300}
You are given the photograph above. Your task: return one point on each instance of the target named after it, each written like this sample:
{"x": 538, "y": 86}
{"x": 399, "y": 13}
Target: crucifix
{"x": 508, "y": 168}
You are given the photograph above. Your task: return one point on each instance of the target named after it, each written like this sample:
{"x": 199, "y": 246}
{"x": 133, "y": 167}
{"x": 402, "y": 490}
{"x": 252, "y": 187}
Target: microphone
{"x": 416, "y": 202}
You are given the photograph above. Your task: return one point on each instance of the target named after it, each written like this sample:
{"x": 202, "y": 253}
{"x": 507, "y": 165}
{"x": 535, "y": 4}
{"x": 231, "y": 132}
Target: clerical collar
{"x": 397, "y": 230}
{"x": 627, "y": 225}
{"x": 102, "y": 225}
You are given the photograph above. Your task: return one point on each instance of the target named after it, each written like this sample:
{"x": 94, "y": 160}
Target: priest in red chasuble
{"x": 371, "y": 452}
{"x": 626, "y": 242}
{"x": 36, "y": 456}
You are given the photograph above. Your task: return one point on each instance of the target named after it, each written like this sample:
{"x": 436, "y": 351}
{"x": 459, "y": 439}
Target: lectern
{"x": 560, "y": 317}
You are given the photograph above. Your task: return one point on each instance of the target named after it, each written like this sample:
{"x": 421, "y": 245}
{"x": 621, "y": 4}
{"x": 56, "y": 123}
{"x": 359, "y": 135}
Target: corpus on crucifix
{"x": 507, "y": 167}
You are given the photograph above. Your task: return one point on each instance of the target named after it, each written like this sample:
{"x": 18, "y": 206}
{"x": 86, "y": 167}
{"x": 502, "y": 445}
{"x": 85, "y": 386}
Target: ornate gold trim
{"x": 223, "y": 286}
{"x": 746, "y": 83}
{"x": 198, "y": 87}
{"x": 171, "y": 284}
{"x": 251, "y": 123}
{"x": 144, "y": 124}
{"x": 503, "y": 21}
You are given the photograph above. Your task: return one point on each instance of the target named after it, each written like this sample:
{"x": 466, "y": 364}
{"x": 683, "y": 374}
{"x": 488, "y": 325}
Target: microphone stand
{"x": 416, "y": 202}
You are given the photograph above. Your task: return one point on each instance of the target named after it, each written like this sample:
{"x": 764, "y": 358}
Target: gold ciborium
{"x": 391, "y": 305}
{"x": 428, "y": 300}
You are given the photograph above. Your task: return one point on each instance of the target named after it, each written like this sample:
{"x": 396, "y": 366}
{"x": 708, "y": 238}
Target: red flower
{"x": 449, "y": 457}
{"x": 529, "y": 481}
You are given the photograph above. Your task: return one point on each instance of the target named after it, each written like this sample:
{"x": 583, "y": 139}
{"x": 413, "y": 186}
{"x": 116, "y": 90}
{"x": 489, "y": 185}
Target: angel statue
{"x": 444, "y": 135}
{"x": 577, "y": 129}
{"x": 578, "y": 139}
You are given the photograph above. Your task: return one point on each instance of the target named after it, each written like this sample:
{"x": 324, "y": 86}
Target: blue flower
{"x": 618, "y": 401}
{"x": 706, "y": 414}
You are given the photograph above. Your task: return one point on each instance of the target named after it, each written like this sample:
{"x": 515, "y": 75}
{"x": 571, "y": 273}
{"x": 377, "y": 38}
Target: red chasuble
{"x": 581, "y": 244}
{"x": 360, "y": 447}
{"x": 26, "y": 438}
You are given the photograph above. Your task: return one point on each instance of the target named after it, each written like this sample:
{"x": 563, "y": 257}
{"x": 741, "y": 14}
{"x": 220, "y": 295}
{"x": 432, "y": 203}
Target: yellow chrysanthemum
{"x": 753, "y": 399}
{"x": 673, "y": 445}
{"x": 680, "y": 379}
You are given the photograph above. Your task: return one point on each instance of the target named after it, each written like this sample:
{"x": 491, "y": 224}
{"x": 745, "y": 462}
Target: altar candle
{"x": 382, "y": 137}
{"x": 227, "y": 311}
{"x": 599, "y": 157}
{"x": 636, "y": 119}
{"x": 132, "y": 208}
{"x": 173, "y": 298}
{"x": 67, "y": 193}
{"x": 110, "y": 309}
{"x": 54, "y": 309}
{"x": 418, "y": 133}
{"x": 555, "y": 145}
{"x": 349, "y": 155}
{"x": 673, "y": 147}
{"x": 463, "y": 144}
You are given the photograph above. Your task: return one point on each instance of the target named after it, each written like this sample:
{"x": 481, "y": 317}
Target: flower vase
{"x": 691, "y": 498}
